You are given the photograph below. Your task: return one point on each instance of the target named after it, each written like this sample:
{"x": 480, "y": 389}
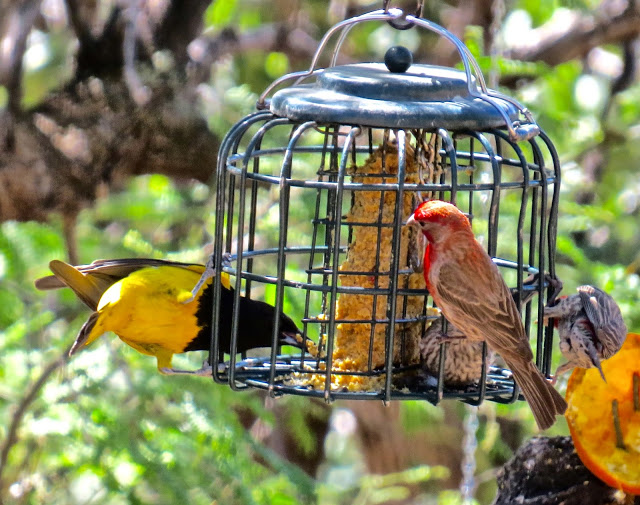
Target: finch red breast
{"x": 590, "y": 326}
{"x": 469, "y": 290}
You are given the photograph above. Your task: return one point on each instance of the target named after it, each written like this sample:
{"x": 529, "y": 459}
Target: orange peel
{"x": 610, "y": 452}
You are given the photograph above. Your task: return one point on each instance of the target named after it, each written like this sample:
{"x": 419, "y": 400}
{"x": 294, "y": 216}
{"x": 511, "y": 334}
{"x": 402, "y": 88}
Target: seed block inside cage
{"x": 362, "y": 318}
{"x": 312, "y": 198}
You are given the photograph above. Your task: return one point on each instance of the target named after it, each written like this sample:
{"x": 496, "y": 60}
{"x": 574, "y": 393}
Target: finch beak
{"x": 596, "y": 363}
{"x": 411, "y": 221}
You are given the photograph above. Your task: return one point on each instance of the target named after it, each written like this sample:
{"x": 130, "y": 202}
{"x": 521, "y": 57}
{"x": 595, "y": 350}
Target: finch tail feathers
{"x": 545, "y": 402}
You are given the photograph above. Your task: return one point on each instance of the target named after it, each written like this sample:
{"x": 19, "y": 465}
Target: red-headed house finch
{"x": 463, "y": 361}
{"x": 472, "y": 295}
{"x": 590, "y": 327}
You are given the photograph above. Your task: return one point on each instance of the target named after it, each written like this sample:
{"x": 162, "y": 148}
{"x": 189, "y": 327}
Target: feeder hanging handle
{"x": 517, "y": 131}
{"x": 396, "y": 23}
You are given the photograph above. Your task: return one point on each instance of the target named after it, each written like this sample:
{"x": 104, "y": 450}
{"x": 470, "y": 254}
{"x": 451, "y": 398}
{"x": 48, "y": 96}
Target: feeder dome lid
{"x": 369, "y": 94}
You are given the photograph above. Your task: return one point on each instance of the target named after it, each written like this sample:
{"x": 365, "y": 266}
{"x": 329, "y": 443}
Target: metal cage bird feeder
{"x": 313, "y": 190}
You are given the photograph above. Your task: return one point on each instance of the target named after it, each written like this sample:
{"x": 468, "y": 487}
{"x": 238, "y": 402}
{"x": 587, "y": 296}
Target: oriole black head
{"x": 255, "y": 324}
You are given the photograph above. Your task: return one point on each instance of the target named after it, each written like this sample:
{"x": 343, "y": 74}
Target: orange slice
{"x": 609, "y": 452}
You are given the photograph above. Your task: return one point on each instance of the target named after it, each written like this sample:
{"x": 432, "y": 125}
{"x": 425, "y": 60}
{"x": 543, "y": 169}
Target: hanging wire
{"x": 469, "y": 446}
{"x": 498, "y": 11}
{"x": 470, "y": 441}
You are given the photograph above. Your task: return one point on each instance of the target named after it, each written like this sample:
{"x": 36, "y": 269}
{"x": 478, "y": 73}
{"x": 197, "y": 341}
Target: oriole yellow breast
{"x": 148, "y": 303}
{"x": 146, "y": 307}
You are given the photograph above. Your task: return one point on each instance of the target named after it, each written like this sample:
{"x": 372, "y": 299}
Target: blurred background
{"x": 112, "y": 114}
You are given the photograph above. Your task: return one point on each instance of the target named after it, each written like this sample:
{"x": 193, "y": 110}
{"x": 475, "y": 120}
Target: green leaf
{"x": 219, "y": 13}
{"x": 276, "y": 64}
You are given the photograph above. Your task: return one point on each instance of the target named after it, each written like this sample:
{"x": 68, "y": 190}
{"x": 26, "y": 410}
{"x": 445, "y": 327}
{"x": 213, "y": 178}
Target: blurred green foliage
{"x": 106, "y": 428}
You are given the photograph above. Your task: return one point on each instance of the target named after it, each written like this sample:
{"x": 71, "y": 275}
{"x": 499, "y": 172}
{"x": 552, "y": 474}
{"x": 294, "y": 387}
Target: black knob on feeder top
{"x": 398, "y": 59}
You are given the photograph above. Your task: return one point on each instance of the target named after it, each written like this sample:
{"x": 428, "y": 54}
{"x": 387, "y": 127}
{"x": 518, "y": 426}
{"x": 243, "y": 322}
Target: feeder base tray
{"x": 408, "y": 383}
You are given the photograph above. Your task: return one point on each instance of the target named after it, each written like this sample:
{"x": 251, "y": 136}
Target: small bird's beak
{"x": 596, "y": 363}
{"x": 411, "y": 221}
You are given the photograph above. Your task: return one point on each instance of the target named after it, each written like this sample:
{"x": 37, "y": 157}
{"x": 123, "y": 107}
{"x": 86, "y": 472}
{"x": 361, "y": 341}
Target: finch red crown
{"x": 437, "y": 211}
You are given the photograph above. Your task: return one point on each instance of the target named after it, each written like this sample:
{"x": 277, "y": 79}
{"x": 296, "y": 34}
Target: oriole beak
{"x": 290, "y": 338}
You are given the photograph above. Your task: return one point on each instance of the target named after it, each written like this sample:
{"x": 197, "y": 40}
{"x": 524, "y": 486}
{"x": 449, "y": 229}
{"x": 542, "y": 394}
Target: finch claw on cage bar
{"x": 556, "y": 284}
{"x": 548, "y": 280}
{"x": 532, "y": 280}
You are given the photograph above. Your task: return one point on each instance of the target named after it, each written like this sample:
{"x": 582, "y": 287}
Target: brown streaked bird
{"x": 590, "y": 327}
{"x": 463, "y": 361}
{"x": 469, "y": 290}
{"x": 148, "y": 303}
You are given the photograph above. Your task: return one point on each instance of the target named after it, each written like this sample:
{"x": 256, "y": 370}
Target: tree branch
{"x": 206, "y": 50}
{"x": 457, "y": 19}
{"x": 555, "y": 43}
{"x": 182, "y": 21}
{"x": 16, "y": 30}
{"x": 93, "y": 134}
{"x": 138, "y": 91}
{"x": 550, "y": 464}
{"x": 21, "y": 410}
{"x": 80, "y": 28}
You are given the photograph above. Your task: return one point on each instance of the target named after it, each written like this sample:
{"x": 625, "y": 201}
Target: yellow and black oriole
{"x": 148, "y": 303}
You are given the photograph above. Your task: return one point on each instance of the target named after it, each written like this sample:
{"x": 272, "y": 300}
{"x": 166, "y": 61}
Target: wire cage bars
{"x": 313, "y": 191}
